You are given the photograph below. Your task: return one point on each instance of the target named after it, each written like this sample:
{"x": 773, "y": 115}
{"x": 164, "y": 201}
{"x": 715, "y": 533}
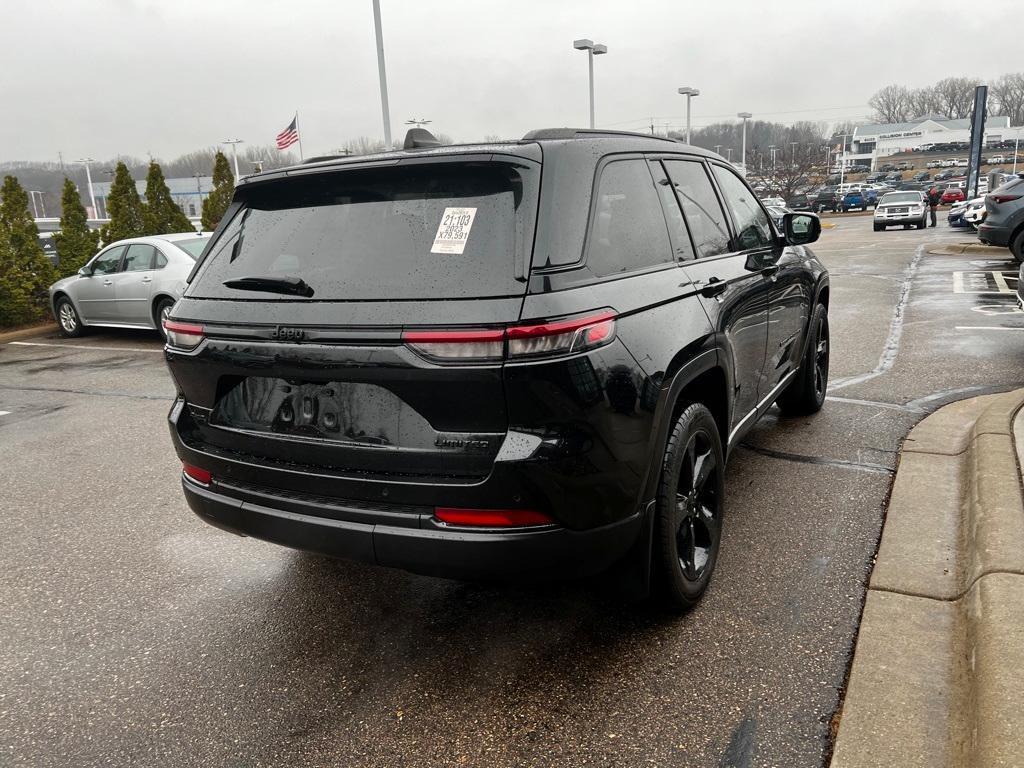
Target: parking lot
{"x": 136, "y": 634}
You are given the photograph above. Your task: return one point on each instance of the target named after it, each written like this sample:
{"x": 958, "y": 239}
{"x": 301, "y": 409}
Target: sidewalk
{"x": 938, "y": 672}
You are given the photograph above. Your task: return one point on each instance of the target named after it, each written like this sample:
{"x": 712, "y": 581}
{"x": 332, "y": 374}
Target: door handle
{"x": 714, "y": 287}
{"x": 108, "y": 282}
{"x": 147, "y": 280}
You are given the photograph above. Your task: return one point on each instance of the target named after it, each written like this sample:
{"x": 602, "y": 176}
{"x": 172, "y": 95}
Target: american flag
{"x": 289, "y": 135}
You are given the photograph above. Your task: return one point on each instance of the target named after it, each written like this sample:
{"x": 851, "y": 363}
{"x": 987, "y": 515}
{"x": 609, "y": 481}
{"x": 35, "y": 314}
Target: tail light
{"x": 1003, "y": 198}
{"x": 202, "y": 476}
{"x": 183, "y": 335}
{"x": 521, "y": 341}
{"x": 492, "y": 518}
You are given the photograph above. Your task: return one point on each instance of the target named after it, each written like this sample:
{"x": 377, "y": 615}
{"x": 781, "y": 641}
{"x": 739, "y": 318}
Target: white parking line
{"x": 987, "y": 328}
{"x": 84, "y": 346}
{"x": 4, "y": 413}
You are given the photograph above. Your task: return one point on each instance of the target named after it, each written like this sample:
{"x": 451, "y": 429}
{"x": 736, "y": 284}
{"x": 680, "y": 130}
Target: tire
{"x": 68, "y": 322}
{"x": 806, "y": 394}
{"x": 1017, "y": 247}
{"x": 879, "y": 227}
{"x": 160, "y": 310}
{"x": 690, "y": 508}
{"x": 922, "y": 223}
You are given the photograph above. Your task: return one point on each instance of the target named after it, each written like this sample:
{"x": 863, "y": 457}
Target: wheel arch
{"x": 157, "y": 299}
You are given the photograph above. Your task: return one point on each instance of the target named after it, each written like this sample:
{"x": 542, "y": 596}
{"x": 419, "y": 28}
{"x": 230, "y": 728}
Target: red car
{"x": 952, "y": 195}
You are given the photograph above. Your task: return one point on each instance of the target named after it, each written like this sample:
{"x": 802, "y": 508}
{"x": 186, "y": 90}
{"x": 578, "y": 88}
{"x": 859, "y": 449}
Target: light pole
{"x": 1016, "y": 146}
{"x": 593, "y": 49}
{"x": 88, "y": 178}
{"x": 771, "y": 148}
{"x": 385, "y": 110}
{"x": 689, "y": 93}
{"x": 234, "y": 152}
{"x": 728, "y": 155}
{"x": 793, "y": 156}
{"x": 418, "y": 123}
{"x": 746, "y": 116}
{"x": 42, "y": 204}
{"x": 718, "y": 149}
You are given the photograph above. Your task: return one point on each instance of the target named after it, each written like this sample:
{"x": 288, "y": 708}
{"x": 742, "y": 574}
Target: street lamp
{"x": 385, "y": 111}
{"x": 593, "y": 49}
{"x": 689, "y": 93}
{"x": 88, "y": 177}
{"x": 771, "y": 148}
{"x": 793, "y": 157}
{"x": 745, "y": 116}
{"x": 418, "y": 123}
{"x": 234, "y": 152}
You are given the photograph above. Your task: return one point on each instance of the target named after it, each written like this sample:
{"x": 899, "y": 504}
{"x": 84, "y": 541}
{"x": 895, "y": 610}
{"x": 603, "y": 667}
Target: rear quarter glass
{"x": 381, "y": 234}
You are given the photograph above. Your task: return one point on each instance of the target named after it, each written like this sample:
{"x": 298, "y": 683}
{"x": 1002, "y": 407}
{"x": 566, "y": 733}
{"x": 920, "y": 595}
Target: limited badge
{"x": 453, "y": 231}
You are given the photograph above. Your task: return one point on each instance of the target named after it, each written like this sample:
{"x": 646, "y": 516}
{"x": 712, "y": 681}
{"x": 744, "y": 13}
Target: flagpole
{"x": 298, "y": 133}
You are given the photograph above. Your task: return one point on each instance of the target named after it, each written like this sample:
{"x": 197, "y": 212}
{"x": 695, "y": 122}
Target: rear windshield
{"x": 429, "y": 231}
{"x": 193, "y": 247}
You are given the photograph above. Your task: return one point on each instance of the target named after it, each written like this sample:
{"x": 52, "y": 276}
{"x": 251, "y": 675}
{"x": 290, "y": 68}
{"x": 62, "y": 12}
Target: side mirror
{"x": 800, "y": 228}
{"x": 85, "y": 272}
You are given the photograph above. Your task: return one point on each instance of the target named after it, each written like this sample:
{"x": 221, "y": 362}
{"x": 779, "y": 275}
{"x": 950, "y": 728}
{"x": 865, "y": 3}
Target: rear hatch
{"x": 348, "y": 319}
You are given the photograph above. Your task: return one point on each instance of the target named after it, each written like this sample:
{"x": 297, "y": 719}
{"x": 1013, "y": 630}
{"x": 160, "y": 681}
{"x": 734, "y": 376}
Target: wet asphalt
{"x": 134, "y": 634}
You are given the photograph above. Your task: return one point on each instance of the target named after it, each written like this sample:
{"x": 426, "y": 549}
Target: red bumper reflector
{"x": 492, "y": 518}
{"x": 195, "y": 473}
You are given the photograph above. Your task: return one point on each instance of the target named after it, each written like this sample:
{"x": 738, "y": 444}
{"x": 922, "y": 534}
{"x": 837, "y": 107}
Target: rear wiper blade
{"x": 294, "y": 286}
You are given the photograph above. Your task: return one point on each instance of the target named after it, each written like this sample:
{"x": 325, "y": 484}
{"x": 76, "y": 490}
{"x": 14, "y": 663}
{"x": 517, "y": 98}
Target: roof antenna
{"x": 418, "y": 138}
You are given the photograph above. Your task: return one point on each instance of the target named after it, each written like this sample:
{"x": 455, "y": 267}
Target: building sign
{"x": 900, "y": 135}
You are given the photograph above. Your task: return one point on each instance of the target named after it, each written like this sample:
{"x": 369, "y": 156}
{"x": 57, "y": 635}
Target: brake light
{"x": 540, "y": 339}
{"x": 1003, "y": 198}
{"x": 492, "y": 518}
{"x": 183, "y": 335}
{"x": 195, "y": 473}
{"x": 562, "y": 336}
{"x": 468, "y": 346}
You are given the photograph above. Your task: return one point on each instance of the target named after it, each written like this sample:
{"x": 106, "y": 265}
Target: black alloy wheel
{"x": 690, "y": 509}
{"x": 806, "y": 394}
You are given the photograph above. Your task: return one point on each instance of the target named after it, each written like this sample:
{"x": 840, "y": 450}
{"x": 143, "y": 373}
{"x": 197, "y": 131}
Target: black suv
{"x": 505, "y": 360}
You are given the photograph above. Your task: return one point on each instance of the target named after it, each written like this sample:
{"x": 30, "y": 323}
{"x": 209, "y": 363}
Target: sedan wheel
{"x": 67, "y": 319}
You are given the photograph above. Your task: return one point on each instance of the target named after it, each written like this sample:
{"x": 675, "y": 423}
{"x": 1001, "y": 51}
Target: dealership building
{"x": 869, "y": 142}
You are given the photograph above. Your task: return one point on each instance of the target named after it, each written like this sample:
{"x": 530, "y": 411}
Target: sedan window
{"x": 108, "y": 261}
{"x": 140, "y": 258}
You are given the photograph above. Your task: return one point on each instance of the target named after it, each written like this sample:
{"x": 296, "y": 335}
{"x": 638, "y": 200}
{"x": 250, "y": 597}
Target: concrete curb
{"x": 27, "y": 333}
{"x": 938, "y": 672}
{"x": 962, "y": 248}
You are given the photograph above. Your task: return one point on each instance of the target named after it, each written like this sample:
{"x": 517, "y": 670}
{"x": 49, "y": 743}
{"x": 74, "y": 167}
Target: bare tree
{"x": 891, "y": 104}
{"x": 954, "y": 96}
{"x": 921, "y": 102}
{"x": 1007, "y": 95}
{"x": 793, "y": 171}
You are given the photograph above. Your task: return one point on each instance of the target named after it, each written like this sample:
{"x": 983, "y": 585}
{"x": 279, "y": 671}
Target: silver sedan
{"x": 132, "y": 283}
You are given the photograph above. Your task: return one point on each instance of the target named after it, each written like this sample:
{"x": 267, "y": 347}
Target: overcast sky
{"x": 108, "y": 77}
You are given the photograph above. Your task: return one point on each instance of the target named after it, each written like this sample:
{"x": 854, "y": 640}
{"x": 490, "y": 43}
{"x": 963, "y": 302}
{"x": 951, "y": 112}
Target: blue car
{"x": 956, "y": 215}
{"x": 856, "y": 199}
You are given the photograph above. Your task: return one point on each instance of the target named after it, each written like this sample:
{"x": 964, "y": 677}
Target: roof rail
{"x": 322, "y": 158}
{"x": 541, "y": 134}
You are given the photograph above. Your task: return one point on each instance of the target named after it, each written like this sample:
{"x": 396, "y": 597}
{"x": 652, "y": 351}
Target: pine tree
{"x": 160, "y": 214}
{"x": 75, "y": 242}
{"x": 216, "y": 203}
{"x": 124, "y": 208}
{"x": 25, "y": 273}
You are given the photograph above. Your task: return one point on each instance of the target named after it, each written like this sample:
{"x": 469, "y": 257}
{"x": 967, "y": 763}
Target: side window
{"x": 704, "y": 215}
{"x": 140, "y": 257}
{"x": 628, "y": 228}
{"x": 107, "y": 262}
{"x": 673, "y": 215}
{"x": 753, "y": 227}
{"x": 161, "y": 261}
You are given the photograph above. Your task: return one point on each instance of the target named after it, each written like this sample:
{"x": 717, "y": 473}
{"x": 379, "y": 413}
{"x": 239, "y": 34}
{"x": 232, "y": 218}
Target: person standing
{"x": 933, "y": 197}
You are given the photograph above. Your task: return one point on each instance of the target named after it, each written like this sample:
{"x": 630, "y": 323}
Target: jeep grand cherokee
{"x": 505, "y": 360}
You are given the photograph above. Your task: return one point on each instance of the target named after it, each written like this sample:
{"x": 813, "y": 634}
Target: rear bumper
{"x": 994, "y": 235}
{"x": 416, "y": 542}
